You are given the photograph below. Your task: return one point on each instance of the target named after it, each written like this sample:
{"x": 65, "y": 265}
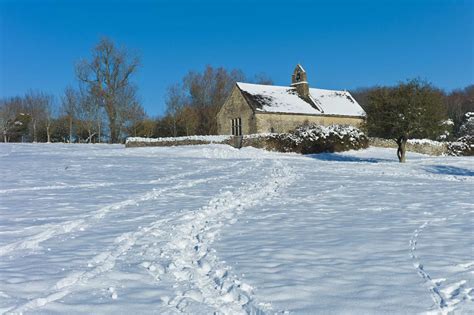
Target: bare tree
{"x": 175, "y": 102}
{"x": 107, "y": 75}
{"x": 189, "y": 119}
{"x": 87, "y": 114}
{"x": 134, "y": 117}
{"x": 49, "y": 116}
{"x": 35, "y": 111}
{"x": 99, "y": 123}
{"x": 207, "y": 92}
{"x": 147, "y": 128}
{"x": 263, "y": 78}
{"x": 50, "y": 112}
{"x": 7, "y": 117}
{"x": 69, "y": 107}
{"x": 39, "y": 107}
{"x": 14, "y": 120}
{"x": 129, "y": 111}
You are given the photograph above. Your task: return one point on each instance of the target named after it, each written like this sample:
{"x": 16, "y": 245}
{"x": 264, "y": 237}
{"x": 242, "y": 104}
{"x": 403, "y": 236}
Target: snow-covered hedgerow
{"x": 311, "y": 139}
{"x": 467, "y": 127}
{"x": 464, "y": 146}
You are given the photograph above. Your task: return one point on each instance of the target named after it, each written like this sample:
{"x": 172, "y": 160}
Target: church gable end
{"x": 236, "y": 108}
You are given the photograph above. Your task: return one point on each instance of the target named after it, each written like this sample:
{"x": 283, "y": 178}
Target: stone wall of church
{"x": 235, "y": 107}
{"x": 279, "y": 123}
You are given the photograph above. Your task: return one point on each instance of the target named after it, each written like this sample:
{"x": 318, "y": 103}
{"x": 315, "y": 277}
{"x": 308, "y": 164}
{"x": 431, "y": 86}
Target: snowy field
{"x": 95, "y": 229}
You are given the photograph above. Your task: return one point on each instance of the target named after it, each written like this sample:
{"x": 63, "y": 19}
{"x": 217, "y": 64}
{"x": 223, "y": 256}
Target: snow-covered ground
{"x": 91, "y": 229}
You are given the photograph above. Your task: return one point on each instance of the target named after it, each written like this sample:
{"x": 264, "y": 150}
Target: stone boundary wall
{"x": 254, "y": 140}
{"x": 170, "y": 141}
{"x": 138, "y": 144}
{"x": 415, "y": 145}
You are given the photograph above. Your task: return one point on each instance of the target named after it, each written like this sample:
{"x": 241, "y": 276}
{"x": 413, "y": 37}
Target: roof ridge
{"x": 267, "y": 85}
{"x": 290, "y": 87}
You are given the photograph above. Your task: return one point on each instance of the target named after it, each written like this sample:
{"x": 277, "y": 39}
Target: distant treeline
{"x": 105, "y": 107}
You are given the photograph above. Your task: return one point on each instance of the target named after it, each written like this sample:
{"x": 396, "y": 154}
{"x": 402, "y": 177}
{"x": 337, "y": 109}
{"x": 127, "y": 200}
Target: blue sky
{"x": 341, "y": 44}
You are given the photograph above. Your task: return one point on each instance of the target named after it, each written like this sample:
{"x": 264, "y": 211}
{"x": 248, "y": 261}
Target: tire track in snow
{"x": 444, "y": 299}
{"x": 193, "y": 261}
{"x": 106, "y": 261}
{"x": 53, "y": 230}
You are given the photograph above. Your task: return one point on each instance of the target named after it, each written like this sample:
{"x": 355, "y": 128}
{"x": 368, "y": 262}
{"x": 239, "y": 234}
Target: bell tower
{"x": 299, "y": 81}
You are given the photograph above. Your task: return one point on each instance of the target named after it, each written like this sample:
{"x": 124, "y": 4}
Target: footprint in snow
{"x": 453, "y": 290}
{"x": 439, "y": 281}
{"x": 113, "y": 293}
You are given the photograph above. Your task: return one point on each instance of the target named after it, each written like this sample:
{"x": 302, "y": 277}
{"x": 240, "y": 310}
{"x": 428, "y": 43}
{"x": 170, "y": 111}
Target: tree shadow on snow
{"x": 335, "y": 157}
{"x": 448, "y": 170}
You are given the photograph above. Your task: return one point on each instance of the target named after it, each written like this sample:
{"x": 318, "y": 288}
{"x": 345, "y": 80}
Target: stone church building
{"x": 255, "y": 108}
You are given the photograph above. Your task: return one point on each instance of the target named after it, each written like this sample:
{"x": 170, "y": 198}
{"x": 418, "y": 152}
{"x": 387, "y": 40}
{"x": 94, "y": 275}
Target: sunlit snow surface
{"x": 91, "y": 229}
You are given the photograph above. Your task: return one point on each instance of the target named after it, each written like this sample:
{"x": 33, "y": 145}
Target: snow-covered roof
{"x": 284, "y": 99}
